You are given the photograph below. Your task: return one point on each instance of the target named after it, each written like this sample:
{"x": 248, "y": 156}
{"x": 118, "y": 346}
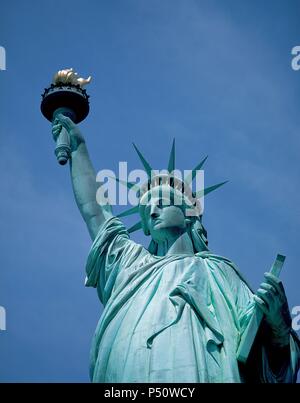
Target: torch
{"x": 66, "y": 96}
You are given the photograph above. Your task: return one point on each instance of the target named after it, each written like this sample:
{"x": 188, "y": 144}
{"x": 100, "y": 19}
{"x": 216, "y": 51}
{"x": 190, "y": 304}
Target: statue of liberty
{"x": 175, "y": 312}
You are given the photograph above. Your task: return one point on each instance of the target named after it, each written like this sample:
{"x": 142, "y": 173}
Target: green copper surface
{"x": 175, "y": 312}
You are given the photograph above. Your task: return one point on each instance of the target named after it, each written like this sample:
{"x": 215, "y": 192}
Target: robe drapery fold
{"x": 176, "y": 318}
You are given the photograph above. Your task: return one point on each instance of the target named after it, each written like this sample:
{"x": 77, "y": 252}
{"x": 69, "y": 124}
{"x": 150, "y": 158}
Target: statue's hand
{"x": 76, "y": 137}
{"x": 271, "y": 298}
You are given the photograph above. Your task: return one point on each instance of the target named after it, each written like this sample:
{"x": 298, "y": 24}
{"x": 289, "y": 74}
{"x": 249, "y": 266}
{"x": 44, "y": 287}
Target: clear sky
{"x": 214, "y": 74}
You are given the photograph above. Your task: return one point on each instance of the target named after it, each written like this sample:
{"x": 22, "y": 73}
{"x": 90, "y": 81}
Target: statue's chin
{"x": 161, "y": 233}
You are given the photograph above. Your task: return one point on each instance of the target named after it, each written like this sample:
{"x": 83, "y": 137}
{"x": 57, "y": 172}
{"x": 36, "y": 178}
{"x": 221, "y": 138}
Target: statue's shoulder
{"x": 227, "y": 266}
{"x": 217, "y": 259}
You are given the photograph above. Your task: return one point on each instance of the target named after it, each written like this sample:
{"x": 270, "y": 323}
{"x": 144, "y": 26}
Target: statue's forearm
{"x": 85, "y": 187}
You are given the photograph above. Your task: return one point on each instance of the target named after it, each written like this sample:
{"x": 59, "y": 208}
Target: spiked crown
{"x": 183, "y": 188}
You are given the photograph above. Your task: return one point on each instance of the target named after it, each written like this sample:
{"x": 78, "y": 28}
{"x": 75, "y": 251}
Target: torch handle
{"x": 63, "y": 148}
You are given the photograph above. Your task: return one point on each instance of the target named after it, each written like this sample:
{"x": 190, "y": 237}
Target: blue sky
{"x": 216, "y": 75}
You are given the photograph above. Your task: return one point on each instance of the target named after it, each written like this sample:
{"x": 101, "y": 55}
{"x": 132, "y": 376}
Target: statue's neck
{"x": 181, "y": 244}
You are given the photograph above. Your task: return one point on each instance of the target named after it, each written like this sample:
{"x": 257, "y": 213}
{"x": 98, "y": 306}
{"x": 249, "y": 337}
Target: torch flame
{"x": 69, "y": 76}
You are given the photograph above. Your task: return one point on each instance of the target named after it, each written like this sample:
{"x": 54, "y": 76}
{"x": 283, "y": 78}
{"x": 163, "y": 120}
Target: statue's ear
{"x": 143, "y": 221}
{"x": 145, "y": 228}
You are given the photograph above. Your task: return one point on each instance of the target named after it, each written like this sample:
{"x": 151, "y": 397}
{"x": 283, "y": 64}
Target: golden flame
{"x": 69, "y": 76}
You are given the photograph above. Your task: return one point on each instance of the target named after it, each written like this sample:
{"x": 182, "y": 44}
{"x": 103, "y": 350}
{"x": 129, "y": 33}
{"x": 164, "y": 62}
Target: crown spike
{"x": 171, "y": 164}
{"x": 210, "y": 189}
{"x": 192, "y": 175}
{"x": 130, "y": 211}
{"x": 135, "y": 227}
{"x": 144, "y": 162}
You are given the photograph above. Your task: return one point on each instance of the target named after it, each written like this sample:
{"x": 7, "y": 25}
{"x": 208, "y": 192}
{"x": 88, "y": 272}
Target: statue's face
{"x": 164, "y": 220}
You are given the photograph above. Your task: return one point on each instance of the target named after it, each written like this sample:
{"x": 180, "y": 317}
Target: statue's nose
{"x": 154, "y": 212}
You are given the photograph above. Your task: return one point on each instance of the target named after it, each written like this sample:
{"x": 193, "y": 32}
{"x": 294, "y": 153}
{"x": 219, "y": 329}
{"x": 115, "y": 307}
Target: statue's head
{"x": 162, "y": 219}
{"x": 166, "y": 214}
{"x": 168, "y": 207}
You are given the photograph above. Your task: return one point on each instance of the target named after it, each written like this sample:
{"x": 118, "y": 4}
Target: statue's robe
{"x": 172, "y": 318}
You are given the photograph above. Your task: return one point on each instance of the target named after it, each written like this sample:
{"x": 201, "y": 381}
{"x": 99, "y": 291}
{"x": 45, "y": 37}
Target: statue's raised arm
{"x": 83, "y": 176}
{"x": 65, "y": 103}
